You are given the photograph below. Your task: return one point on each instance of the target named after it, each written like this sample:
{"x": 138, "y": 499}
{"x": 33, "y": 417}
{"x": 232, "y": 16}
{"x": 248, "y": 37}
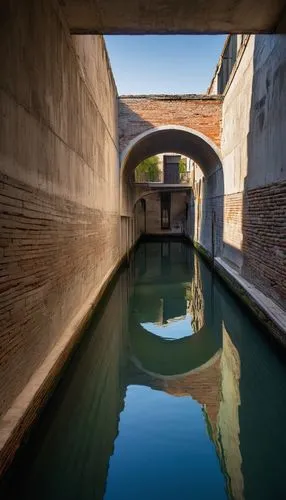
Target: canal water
{"x": 173, "y": 393}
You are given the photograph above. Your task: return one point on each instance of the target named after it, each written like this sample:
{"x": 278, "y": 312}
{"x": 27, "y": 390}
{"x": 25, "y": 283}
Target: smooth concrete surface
{"x": 270, "y": 314}
{"x": 170, "y": 16}
{"x": 266, "y": 141}
{"x": 183, "y": 140}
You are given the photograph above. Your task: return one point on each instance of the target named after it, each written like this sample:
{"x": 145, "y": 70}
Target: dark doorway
{"x": 165, "y": 210}
{"x": 171, "y": 169}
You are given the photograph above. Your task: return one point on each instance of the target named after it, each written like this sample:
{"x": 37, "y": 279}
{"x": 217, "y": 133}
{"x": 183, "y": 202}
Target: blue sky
{"x": 171, "y": 64}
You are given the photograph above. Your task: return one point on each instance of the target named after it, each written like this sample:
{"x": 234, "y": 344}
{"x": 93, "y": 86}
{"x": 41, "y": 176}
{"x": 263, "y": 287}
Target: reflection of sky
{"x": 162, "y": 451}
{"x": 175, "y": 328}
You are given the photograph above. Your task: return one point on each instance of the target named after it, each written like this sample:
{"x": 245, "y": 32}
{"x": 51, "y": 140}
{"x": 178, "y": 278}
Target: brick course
{"x": 138, "y": 114}
{"x": 53, "y": 252}
{"x": 264, "y": 244}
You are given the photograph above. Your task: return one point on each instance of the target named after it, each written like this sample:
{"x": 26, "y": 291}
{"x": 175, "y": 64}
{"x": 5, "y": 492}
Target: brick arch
{"x": 204, "y": 152}
{"x": 188, "y": 125}
{"x": 174, "y": 138}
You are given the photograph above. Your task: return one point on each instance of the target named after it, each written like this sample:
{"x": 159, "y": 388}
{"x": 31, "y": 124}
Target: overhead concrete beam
{"x": 172, "y": 16}
{"x": 281, "y": 26}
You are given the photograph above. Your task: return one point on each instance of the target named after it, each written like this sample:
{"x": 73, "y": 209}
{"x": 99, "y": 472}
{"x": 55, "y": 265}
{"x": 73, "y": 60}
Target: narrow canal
{"x": 173, "y": 393}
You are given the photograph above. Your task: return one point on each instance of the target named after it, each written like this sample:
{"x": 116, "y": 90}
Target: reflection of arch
{"x": 167, "y": 358}
{"x": 204, "y": 152}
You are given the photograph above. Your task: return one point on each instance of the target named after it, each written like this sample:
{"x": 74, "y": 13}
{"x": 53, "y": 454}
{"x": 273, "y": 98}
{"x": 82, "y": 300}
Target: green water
{"x": 173, "y": 393}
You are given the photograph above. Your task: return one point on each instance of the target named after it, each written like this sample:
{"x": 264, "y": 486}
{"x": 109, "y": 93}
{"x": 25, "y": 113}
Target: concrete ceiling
{"x": 173, "y": 16}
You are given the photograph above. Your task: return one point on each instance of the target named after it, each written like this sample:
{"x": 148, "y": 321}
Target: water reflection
{"x": 173, "y": 393}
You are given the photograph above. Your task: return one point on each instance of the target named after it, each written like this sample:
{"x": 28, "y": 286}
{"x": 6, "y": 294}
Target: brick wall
{"x": 264, "y": 244}
{"x": 232, "y": 228}
{"x": 53, "y": 254}
{"x": 138, "y": 114}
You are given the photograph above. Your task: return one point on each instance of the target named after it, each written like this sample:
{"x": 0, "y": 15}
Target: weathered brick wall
{"x": 140, "y": 113}
{"x": 53, "y": 252}
{"x": 232, "y": 228}
{"x": 59, "y": 185}
{"x": 218, "y": 217}
{"x": 264, "y": 244}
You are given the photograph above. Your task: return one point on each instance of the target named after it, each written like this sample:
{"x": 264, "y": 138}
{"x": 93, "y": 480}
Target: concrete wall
{"x": 248, "y": 193}
{"x": 254, "y": 151}
{"x": 59, "y": 196}
{"x": 154, "y": 17}
{"x": 177, "y": 213}
{"x": 206, "y": 210}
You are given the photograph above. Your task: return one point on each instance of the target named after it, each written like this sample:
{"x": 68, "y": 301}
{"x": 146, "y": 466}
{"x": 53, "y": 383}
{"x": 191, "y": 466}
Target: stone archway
{"x": 206, "y": 215}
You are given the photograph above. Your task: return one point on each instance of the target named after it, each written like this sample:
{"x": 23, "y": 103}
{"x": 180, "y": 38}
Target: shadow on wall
{"x": 139, "y": 214}
{"x": 190, "y": 215}
{"x": 264, "y": 201}
{"x": 205, "y": 224}
{"x": 135, "y": 125}
{"x": 211, "y": 224}
{"x": 131, "y": 121}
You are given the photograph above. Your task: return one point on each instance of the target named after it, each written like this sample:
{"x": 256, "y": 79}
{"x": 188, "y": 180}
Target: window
{"x": 228, "y": 61}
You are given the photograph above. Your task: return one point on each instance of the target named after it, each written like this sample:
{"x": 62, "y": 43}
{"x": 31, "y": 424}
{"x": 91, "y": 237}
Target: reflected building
{"x": 195, "y": 298}
{"x": 213, "y": 382}
{"x": 227, "y": 437}
{"x": 219, "y": 360}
